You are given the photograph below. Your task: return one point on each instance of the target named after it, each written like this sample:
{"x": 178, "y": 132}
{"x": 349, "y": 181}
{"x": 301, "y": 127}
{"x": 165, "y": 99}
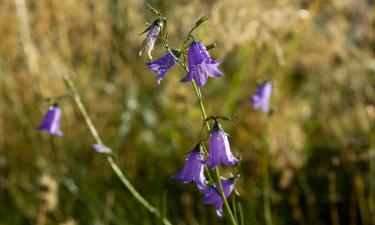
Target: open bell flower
{"x": 212, "y": 195}
{"x": 219, "y": 148}
{"x": 51, "y": 121}
{"x": 201, "y": 66}
{"x": 193, "y": 169}
{"x": 261, "y": 98}
{"x": 162, "y": 65}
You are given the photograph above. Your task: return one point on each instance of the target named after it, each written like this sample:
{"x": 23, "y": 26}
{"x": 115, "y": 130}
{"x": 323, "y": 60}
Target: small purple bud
{"x": 201, "y": 66}
{"x": 51, "y": 121}
{"x": 212, "y": 195}
{"x": 193, "y": 169}
{"x": 261, "y": 98}
{"x": 162, "y": 65}
{"x": 219, "y": 148}
{"x": 101, "y": 148}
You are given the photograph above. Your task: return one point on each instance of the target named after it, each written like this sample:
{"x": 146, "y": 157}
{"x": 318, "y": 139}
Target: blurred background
{"x": 318, "y": 144}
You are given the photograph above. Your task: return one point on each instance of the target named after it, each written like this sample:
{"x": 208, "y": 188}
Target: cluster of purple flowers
{"x": 200, "y": 67}
{"x": 193, "y": 170}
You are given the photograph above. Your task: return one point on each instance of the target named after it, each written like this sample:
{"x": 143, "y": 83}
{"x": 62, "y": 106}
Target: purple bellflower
{"x": 51, "y": 121}
{"x": 201, "y": 65}
{"x": 101, "y": 148}
{"x": 261, "y": 98}
{"x": 212, "y": 195}
{"x": 219, "y": 148}
{"x": 162, "y": 65}
{"x": 193, "y": 169}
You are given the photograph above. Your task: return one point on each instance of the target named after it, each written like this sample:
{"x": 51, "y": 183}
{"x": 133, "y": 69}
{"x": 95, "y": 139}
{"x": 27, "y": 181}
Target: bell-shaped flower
{"x": 261, "y": 98}
{"x": 201, "y": 65}
{"x": 193, "y": 169}
{"x": 51, "y": 121}
{"x": 162, "y": 65}
{"x": 213, "y": 197}
{"x": 101, "y": 148}
{"x": 219, "y": 148}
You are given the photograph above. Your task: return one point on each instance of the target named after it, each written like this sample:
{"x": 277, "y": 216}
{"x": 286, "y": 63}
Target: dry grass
{"x": 319, "y": 53}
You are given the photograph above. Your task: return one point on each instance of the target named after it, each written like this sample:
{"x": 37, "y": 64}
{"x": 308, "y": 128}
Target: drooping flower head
{"x": 51, "y": 121}
{"x": 261, "y": 98}
{"x": 219, "y": 148}
{"x": 162, "y": 65}
{"x": 201, "y": 65}
{"x": 212, "y": 195}
{"x": 193, "y": 169}
{"x": 153, "y": 31}
{"x": 101, "y": 148}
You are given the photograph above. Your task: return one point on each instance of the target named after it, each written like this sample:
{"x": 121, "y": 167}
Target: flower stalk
{"x": 109, "y": 157}
{"x": 201, "y": 66}
{"x": 217, "y": 172}
{"x": 198, "y": 94}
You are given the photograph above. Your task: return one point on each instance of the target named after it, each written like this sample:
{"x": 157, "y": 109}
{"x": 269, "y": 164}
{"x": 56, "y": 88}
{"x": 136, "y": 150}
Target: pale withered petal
{"x": 101, "y": 148}
{"x": 153, "y": 32}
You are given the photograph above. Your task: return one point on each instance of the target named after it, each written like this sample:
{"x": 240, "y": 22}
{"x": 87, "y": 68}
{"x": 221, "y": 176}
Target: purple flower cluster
{"x": 201, "y": 65}
{"x": 193, "y": 170}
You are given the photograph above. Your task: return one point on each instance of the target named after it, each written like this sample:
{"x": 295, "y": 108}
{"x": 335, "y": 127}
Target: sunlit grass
{"x": 320, "y": 139}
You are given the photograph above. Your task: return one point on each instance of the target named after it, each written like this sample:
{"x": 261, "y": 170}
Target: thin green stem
{"x": 110, "y": 159}
{"x": 226, "y": 204}
{"x": 217, "y": 172}
{"x": 266, "y": 190}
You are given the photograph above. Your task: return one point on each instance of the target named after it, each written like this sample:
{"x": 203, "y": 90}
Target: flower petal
{"x": 162, "y": 65}
{"x": 101, "y": 148}
{"x": 261, "y": 98}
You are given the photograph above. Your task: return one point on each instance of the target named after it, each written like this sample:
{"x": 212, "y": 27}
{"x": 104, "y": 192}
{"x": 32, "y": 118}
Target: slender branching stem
{"x": 110, "y": 159}
{"x": 198, "y": 94}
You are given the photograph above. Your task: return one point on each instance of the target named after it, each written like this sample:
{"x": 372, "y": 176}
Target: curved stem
{"x": 110, "y": 159}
